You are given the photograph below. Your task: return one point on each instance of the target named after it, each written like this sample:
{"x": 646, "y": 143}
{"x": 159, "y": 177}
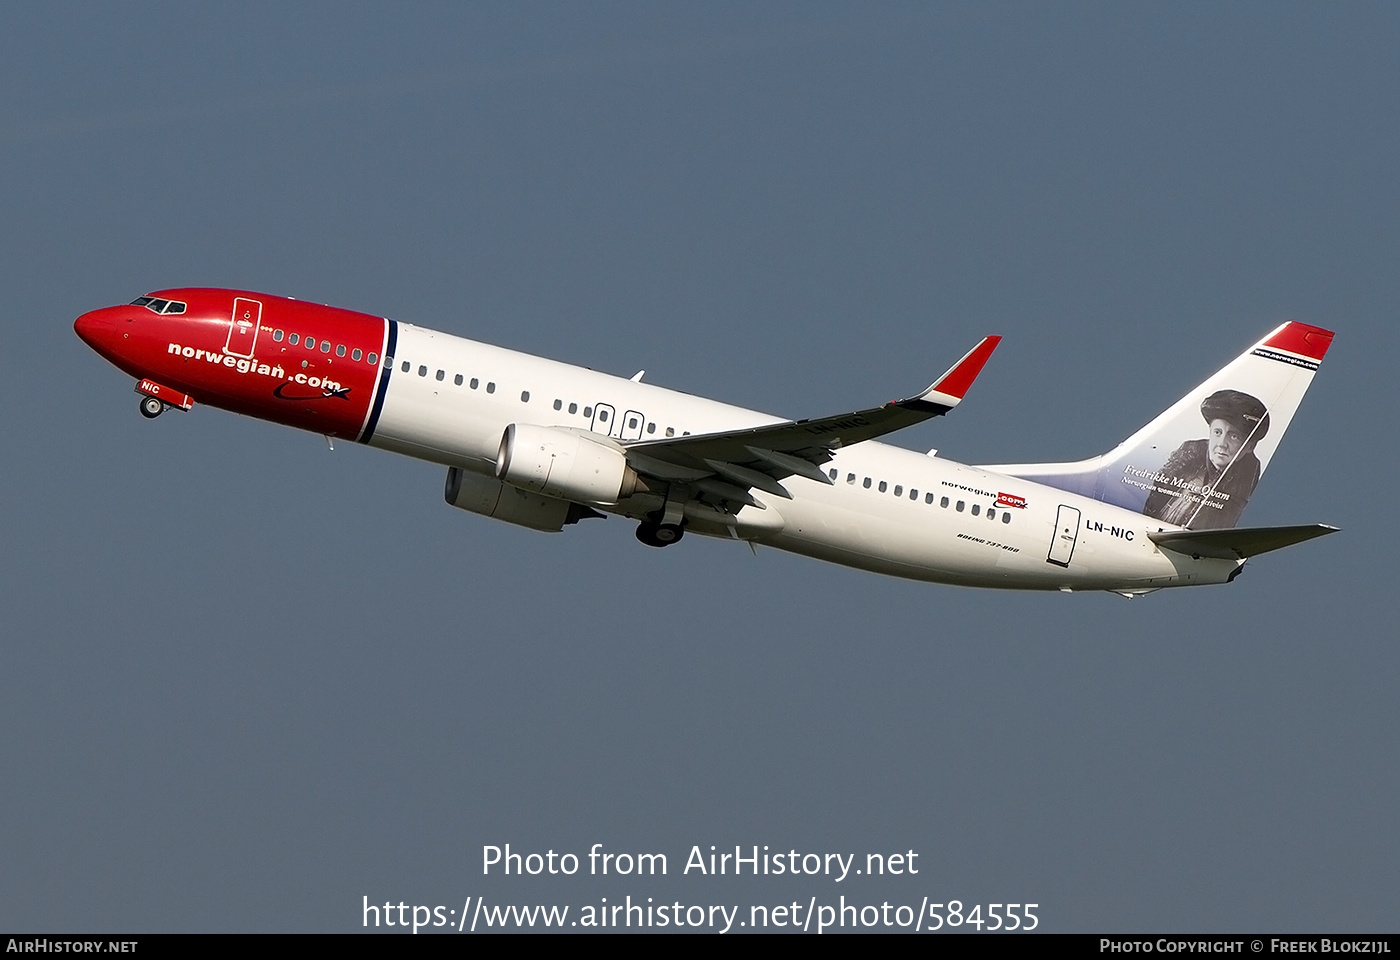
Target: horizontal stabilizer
{"x": 1239, "y": 543}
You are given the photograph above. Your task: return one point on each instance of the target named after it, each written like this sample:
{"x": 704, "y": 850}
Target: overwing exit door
{"x": 603, "y": 417}
{"x": 632, "y": 422}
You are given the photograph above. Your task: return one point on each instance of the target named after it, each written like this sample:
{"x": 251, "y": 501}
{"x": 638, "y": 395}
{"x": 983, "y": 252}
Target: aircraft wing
{"x": 727, "y": 464}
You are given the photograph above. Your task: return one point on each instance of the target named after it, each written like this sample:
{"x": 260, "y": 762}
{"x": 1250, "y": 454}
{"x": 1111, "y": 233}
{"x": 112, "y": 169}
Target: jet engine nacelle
{"x": 564, "y": 464}
{"x": 492, "y": 498}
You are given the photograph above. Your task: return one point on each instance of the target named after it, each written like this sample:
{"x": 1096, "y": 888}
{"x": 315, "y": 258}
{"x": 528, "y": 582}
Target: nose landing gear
{"x": 155, "y": 398}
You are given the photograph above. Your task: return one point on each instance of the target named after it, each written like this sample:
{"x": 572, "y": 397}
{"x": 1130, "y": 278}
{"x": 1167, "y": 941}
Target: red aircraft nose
{"x": 96, "y": 328}
{"x": 105, "y": 329}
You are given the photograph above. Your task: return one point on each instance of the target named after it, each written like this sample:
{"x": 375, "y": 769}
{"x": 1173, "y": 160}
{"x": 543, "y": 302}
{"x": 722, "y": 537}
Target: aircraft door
{"x": 243, "y": 327}
{"x": 603, "y": 418}
{"x": 632, "y": 423}
{"x": 1066, "y": 533}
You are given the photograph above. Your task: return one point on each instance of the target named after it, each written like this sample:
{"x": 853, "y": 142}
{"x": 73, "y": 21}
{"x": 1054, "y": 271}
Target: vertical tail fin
{"x": 1196, "y": 465}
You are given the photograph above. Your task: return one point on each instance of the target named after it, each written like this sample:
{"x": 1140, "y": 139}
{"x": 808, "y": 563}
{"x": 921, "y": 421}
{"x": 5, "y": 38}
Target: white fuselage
{"x": 889, "y": 510}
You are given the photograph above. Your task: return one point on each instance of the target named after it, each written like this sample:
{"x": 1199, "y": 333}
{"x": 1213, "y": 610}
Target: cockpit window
{"x": 157, "y": 305}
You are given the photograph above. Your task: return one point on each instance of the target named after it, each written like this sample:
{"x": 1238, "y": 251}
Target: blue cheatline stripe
{"x": 385, "y": 371}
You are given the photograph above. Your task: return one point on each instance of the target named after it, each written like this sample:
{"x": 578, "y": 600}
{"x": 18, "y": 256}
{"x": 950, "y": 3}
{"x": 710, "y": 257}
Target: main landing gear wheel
{"x": 659, "y": 534}
{"x": 151, "y": 408}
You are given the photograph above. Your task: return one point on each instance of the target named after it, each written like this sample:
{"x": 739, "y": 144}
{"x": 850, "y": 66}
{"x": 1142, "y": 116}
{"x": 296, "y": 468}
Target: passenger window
{"x": 866, "y": 484}
{"x": 976, "y": 509}
{"x": 340, "y": 350}
{"x": 991, "y": 514}
{"x": 292, "y": 338}
{"x": 311, "y": 343}
{"x": 457, "y": 380}
{"x": 943, "y": 503}
{"x": 603, "y": 416}
{"x": 325, "y": 346}
{"x": 851, "y": 478}
{"x": 407, "y": 366}
{"x": 588, "y": 411}
{"x": 651, "y": 428}
{"x": 373, "y": 358}
{"x": 573, "y": 408}
{"x": 961, "y": 504}
{"x": 474, "y": 383}
{"x": 558, "y": 404}
{"x": 882, "y": 486}
{"x": 831, "y": 473}
{"x": 490, "y": 387}
{"x": 670, "y": 431}
{"x": 1006, "y": 517}
{"x": 524, "y": 396}
{"x": 422, "y": 370}
{"x": 441, "y": 374}
{"x": 356, "y": 354}
{"x": 277, "y": 335}
{"x": 898, "y": 490}
{"x": 913, "y": 494}
{"x": 632, "y": 424}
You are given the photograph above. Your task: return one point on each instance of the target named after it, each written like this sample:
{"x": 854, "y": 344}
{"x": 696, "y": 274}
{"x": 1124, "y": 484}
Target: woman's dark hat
{"x": 1240, "y": 409}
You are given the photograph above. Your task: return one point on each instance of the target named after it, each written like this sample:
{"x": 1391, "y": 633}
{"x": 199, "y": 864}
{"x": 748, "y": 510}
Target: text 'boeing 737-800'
{"x": 544, "y": 444}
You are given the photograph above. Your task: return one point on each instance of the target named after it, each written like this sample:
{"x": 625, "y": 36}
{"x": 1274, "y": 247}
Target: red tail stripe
{"x": 1299, "y": 338}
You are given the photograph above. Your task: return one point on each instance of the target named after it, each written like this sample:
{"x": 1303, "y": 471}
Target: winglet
{"x": 949, "y": 389}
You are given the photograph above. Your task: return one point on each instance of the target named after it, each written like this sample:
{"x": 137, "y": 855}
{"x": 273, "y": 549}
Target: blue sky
{"x": 249, "y": 681}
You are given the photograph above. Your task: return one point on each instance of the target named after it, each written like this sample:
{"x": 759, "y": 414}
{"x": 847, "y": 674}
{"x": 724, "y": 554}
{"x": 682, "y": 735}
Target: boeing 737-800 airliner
{"x": 544, "y": 444}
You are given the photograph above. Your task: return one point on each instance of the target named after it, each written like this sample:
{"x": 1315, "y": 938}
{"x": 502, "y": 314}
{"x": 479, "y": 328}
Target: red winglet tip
{"x": 956, "y": 381}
